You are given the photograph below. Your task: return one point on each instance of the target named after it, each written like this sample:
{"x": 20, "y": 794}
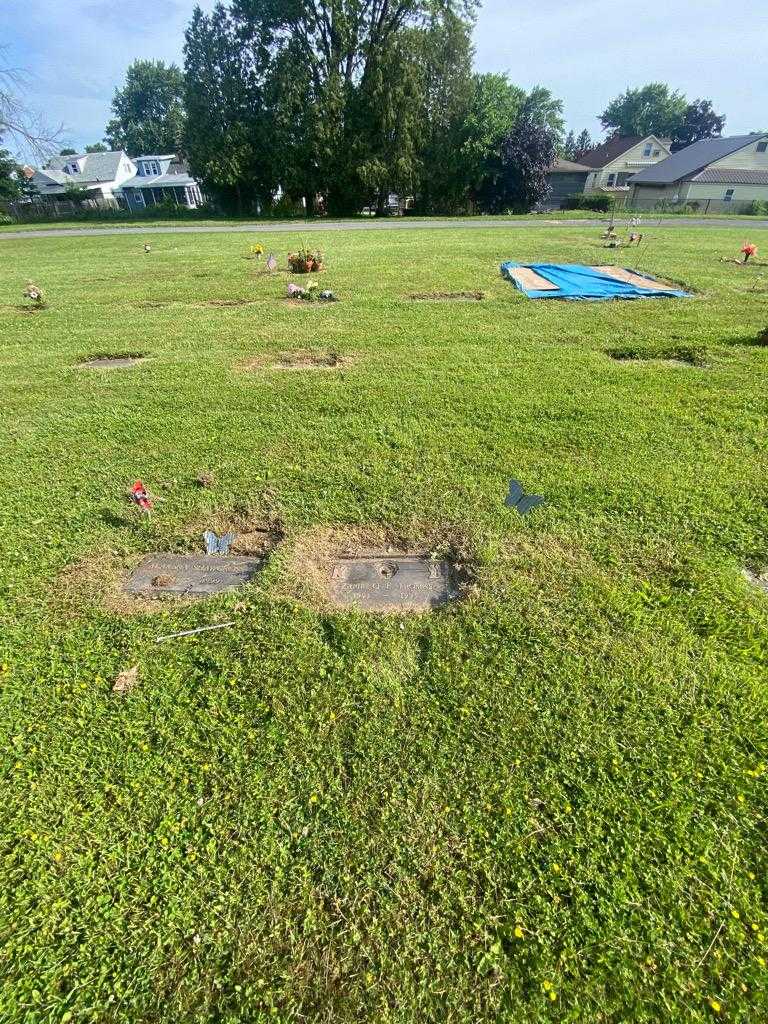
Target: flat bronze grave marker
{"x": 391, "y": 583}
{"x": 191, "y": 575}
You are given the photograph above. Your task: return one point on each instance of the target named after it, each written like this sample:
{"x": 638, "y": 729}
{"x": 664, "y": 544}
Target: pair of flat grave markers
{"x": 374, "y": 581}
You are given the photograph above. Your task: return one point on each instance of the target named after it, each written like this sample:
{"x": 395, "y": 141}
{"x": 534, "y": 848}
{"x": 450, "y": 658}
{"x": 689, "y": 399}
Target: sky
{"x": 586, "y": 51}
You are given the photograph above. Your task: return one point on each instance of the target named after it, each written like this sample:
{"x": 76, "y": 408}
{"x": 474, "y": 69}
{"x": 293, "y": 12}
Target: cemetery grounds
{"x": 543, "y": 802}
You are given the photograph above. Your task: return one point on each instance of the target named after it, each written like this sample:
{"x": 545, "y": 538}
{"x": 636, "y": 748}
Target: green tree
{"x": 569, "y": 146}
{"x": 493, "y": 112}
{"x": 653, "y": 109}
{"x": 149, "y": 110}
{"x": 227, "y": 139}
{"x": 97, "y": 147}
{"x": 541, "y": 109}
{"x": 443, "y": 58}
{"x": 338, "y": 50}
{"x": 699, "y": 122}
{"x": 67, "y": 152}
{"x": 583, "y": 144}
{"x": 11, "y": 177}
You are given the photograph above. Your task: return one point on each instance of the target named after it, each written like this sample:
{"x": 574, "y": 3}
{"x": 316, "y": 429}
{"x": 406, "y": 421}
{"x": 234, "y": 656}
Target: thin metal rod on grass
{"x": 191, "y": 632}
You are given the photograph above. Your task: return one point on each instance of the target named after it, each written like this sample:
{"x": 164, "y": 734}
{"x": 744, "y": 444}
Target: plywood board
{"x": 532, "y": 281}
{"x": 630, "y": 277}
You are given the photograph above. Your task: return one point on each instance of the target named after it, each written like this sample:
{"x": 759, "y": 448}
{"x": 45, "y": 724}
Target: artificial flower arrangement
{"x": 748, "y": 249}
{"x": 309, "y": 293}
{"x": 305, "y": 261}
{"x": 34, "y": 293}
{"x": 257, "y": 251}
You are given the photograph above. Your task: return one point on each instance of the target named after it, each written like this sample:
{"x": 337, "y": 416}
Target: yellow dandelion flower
{"x": 568, "y": 808}
{"x": 546, "y": 985}
{"x": 369, "y": 977}
{"x": 715, "y": 1005}
{"x": 556, "y": 868}
{"x": 205, "y": 768}
{"x": 57, "y": 855}
{"x": 761, "y": 961}
{"x": 553, "y": 996}
{"x": 752, "y": 875}
{"x": 753, "y": 926}
{"x": 740, "y": 798}
{"x": 735, "y": 914}
{"x": 519, "y": 933}
{"x": 314, "y": 798}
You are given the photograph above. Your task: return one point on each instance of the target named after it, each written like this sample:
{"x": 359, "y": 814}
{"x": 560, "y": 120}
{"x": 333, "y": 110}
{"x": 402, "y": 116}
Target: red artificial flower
{"x": 749, "y": 249}
{"x": 141, "y": 497}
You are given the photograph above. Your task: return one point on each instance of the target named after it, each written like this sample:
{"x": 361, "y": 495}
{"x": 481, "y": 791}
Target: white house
{"x": 100, "y": 174}
{"x": 160, "y": 179}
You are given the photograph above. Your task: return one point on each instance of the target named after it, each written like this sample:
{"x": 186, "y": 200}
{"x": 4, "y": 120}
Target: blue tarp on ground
{"x": 575, "y": 281}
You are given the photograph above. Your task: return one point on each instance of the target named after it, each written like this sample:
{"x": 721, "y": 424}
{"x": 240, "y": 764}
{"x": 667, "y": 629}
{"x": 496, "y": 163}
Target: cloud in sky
{"x": 586, "y": 52}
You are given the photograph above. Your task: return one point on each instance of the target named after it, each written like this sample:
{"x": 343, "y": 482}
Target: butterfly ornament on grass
{"x": 521, "y": 501}
{"x": 215, "y": 545}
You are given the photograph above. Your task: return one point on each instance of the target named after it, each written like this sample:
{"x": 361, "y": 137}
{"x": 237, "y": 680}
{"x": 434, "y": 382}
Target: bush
{"x": 758, "y": 208}
{"x": 597, "y": 201}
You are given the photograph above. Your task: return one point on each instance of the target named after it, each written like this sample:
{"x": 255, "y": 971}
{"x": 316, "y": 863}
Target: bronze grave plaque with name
{"x": 191, "y": 575}
{"x": 390, "y": 583}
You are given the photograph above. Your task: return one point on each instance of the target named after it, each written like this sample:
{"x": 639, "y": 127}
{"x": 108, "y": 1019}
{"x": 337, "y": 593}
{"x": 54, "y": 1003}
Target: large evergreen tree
{"x": 148, "y": 110}
{"x": 227, "y": 142}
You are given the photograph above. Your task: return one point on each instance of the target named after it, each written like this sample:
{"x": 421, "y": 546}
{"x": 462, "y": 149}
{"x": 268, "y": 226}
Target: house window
{"x": 611, "y": 180}
{"x": 648, "y": 149}
{"x": 138, "y": 197}
{"x": 657, "y": 152}
{"x": 728, "y": 197}
{"x": 762, "y": 146}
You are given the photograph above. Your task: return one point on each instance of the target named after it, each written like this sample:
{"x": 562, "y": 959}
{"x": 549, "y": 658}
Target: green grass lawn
{"x": 545, "y": 802}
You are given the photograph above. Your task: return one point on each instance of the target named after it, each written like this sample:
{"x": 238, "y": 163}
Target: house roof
{"x": 567, "y": 167}
{"x": 154, "y": 156}
{"x": 96, "y": 166}
{"x": 142, "y": 181}
{"x": 694, "y": 158}
{"x": 611, "y": 150}
{"x": 731, "y": 176}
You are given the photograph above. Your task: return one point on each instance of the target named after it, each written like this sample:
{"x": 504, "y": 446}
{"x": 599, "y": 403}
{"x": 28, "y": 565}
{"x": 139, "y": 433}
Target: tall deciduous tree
{"x": 149, "y": 110}
{"x": 699, "y": 122}
{"x": 339, "y": 50}
{"x": 27, "y": 130}
{"x": 652, "y": 109}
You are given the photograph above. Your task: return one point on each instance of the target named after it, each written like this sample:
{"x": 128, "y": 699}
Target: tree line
{"x": 343, "y": 102}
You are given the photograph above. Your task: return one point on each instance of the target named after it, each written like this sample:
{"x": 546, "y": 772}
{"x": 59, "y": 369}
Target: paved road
{"x": 386, "y": 224}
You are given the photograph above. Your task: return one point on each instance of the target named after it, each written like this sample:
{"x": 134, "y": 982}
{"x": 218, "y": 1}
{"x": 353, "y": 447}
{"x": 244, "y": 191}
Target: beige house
{"x": 716, "y": 175}
{"x": 614, "y": 162}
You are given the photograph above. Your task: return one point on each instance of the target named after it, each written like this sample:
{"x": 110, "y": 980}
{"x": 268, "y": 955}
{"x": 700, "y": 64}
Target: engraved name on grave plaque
{"x": 191, "y": 575}
{"x": 391, "y": 583}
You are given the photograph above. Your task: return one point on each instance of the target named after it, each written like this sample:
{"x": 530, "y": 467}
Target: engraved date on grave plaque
{"x": 391, "y": 583}
{"x": 191, "y": 575}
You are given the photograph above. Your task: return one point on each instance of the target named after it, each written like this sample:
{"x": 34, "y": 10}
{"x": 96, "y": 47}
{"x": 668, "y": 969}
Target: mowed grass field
{"x": 545, "y": 802}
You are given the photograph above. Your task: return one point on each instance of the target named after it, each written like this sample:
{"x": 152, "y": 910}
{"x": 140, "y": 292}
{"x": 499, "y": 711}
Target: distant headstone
{"x": 191, "y": 575}
{"x": 391, "y": 583}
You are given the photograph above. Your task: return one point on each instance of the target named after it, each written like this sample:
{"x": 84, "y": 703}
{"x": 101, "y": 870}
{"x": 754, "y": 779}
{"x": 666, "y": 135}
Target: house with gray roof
{"x": 99, "y": 174}
{"x": 161, "y": 179}
{"x": 565, "y": 178}
{"x": 718, "y": 175}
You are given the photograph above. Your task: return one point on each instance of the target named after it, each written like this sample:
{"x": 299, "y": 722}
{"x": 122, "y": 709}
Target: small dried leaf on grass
{"x": 205, "y": 480}
{"x": 126, "y": 680}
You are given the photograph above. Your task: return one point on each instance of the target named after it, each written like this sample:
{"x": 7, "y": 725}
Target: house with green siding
{"x": 712, "y": 175}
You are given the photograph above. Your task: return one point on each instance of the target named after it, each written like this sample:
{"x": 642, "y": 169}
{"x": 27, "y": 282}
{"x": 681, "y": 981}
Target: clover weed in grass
{"x": 545, "y": 803}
